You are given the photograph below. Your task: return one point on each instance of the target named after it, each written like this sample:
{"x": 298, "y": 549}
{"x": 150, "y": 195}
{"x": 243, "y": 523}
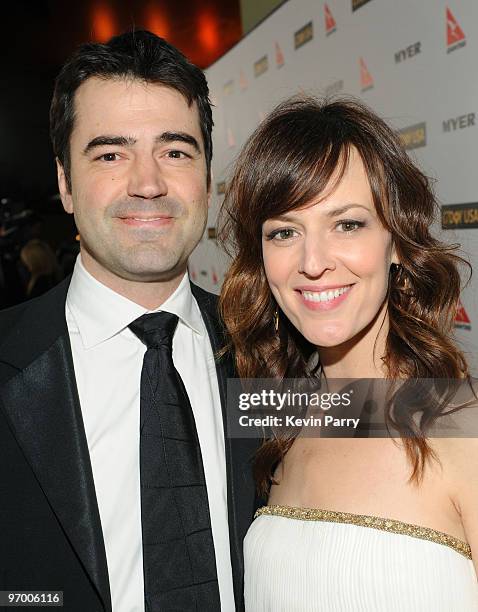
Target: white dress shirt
{"x": 108, "y": 360}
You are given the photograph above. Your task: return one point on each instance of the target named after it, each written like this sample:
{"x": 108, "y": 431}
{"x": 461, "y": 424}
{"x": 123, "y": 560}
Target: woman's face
{"x": 328, "y": 264}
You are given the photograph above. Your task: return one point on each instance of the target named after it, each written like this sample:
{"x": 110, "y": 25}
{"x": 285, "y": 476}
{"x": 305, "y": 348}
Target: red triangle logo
{"x": 279, "y": 56}
{"x": 330, "y": 23}
{"x": 215, "y": 279}
{"x": 365, "y": 76}
{"x": 461, "y": 315}
{"x": 453, "y": 31}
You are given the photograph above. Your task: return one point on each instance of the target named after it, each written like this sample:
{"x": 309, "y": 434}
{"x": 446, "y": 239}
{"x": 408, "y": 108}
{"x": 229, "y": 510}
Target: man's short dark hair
{"x": 137, "y": 55}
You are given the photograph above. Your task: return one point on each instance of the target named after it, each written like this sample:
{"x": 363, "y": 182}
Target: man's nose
{"x": 147, "y": 179}
{"x": 316, "y": 257}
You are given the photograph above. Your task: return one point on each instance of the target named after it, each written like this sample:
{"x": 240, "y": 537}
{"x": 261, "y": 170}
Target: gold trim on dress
{"x": 364, "y": 520}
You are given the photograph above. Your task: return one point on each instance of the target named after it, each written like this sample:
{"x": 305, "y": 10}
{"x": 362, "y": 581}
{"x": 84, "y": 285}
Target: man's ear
{"x": 65, "y": 193}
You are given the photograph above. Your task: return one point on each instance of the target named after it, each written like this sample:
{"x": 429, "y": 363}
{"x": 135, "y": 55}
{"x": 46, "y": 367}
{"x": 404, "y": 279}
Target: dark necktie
{"x": 178, "y": 550}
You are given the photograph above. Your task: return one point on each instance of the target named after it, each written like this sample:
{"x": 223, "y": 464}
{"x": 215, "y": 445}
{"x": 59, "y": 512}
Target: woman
{"x": 329, "y": 222}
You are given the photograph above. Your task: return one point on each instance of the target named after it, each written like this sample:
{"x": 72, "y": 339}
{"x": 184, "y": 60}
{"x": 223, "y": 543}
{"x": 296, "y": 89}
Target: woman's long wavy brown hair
{"x": 288, "y": 163}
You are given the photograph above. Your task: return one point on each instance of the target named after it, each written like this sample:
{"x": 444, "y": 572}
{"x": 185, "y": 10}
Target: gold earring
{"x": 276, "y": 320}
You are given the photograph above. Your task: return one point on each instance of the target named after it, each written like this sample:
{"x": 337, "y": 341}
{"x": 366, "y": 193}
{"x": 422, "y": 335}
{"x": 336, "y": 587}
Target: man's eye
{"x": 177, "y": 154}
{"x": 109, "y": 157}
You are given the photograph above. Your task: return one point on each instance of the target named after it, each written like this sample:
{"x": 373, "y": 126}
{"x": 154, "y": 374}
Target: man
{"x": 94, "y": 500}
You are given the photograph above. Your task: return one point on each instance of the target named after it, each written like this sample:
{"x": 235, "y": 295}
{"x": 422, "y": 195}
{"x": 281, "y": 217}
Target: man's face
{"x": 138, "y": 174}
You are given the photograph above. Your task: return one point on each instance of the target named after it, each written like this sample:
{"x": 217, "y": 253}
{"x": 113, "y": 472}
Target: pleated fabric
{"x": 313, "y": 566}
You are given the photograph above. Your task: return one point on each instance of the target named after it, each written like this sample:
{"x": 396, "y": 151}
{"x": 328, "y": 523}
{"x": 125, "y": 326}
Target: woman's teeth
{"x": 324, "y": 296}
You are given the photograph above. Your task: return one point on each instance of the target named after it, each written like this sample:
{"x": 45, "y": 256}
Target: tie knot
{"x": 155, "y": 329}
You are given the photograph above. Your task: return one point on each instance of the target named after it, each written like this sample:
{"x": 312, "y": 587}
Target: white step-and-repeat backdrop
{"x": 415, "y": 63}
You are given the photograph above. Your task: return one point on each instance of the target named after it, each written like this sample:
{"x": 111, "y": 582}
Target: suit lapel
{"x": 42, "y": 405}
{"x": 239, "y": 452}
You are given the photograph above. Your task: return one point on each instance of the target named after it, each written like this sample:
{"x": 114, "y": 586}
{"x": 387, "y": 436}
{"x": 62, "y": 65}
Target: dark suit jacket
{"x": 50, "y": 530}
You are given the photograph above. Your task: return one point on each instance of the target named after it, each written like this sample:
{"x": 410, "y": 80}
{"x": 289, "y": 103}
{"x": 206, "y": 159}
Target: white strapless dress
{"x": 309, "y": 560}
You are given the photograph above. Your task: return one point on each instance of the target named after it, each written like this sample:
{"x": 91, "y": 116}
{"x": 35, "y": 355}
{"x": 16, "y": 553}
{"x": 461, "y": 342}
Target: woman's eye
{"x": 349, "y": 226}
{"x": 282, "y": 234}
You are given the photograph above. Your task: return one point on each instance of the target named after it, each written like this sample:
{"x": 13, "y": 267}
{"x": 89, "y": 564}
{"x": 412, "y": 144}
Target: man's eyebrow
{"x": 128, "y": 141}
{"x": 100, "y": 141}
{"x": 179, "y": 137}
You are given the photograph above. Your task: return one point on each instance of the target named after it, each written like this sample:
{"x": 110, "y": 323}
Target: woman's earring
{"x": 276, "y": 320}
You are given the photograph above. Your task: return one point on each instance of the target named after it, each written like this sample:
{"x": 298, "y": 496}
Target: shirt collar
{"x": 100, "y": 313}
